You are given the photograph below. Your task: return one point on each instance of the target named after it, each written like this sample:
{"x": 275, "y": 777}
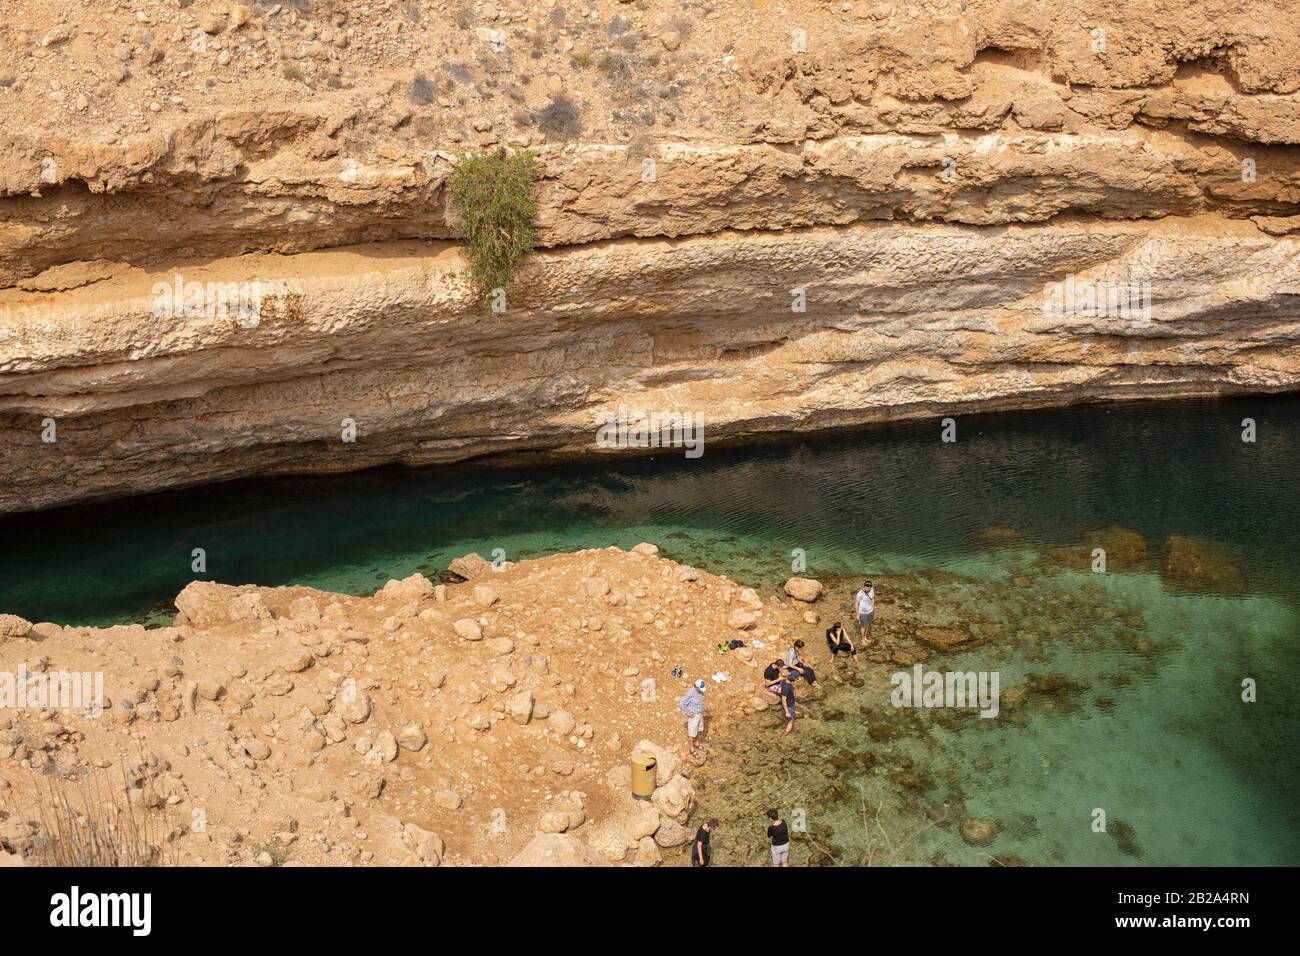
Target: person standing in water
{"x": 778, "y": 831}
{"x": 866, "y": 607}
{"x": 701, "y": 851}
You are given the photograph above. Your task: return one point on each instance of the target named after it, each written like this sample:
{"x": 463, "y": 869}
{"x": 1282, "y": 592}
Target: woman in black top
{"x": 839, "y": 642}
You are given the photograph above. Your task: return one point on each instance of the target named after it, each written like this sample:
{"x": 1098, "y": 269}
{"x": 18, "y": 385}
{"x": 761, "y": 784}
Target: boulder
{"x": 671, "y": 833}
{"x": 205, "y": 604}
{"x": 647, "y": 853}
{"x": 675, "y": 798}
{"x": 610, "y": 841}
{"x": 413, "y": 588}
{"x": 646, "y": 548}
{"x": 485, "y": 596}
{"x": 304, "y": 609}
{"x": 803, "y": 589}
{"x": 553, "y": 821}
{"x": 470, "y": 566}
{"x": 640, "y": 820}
{"x": 13, "y": 627}
{"x": 557, "y": 849}
{"x": 666, "y": 763}
{"x": 427, "y": 846}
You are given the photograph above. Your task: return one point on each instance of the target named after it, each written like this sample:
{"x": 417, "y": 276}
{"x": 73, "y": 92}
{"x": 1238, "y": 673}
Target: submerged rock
{"x": 1125, "y": 837}
{"x": 1201, "y": 565}
{"x": 943, "y": 638}
{"x": 1124, "y": 548}
{"x": 978, "y": 832}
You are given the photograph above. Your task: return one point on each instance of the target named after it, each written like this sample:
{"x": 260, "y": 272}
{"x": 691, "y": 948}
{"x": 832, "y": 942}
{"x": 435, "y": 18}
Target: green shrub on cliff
{"x": 493, "y": 196}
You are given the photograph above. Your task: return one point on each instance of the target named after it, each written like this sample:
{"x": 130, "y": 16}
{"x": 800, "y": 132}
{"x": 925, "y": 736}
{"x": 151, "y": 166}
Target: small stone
{"x": 520, "y": 707}
{"x": 386, "y": 744}
{"x": 741, "y": 620}
{"x": 468, "y": 629}
{"x": 255, "y": 748}
{"x": 60, "y": 34}
{"x": 562, "y": 722}
{"x": 412, "y": 737}
{"x": 357, "y": 709}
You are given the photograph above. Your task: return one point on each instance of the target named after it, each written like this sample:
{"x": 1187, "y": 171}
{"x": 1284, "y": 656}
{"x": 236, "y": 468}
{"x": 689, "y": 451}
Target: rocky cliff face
{"x": 226, "y": 248}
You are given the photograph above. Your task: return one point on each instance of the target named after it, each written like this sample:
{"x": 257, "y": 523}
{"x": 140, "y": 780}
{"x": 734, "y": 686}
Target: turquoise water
{"x": 1152, "y": 730}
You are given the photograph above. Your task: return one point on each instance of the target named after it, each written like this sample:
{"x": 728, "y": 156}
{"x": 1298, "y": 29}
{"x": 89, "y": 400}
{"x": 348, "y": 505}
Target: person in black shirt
{"x": 701, "y": 853}
{"x": 778, "y": 831}
{"x": 838, "y": 641}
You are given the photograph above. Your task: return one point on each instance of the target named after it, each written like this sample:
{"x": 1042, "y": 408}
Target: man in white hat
{"x": 692, "y": 705}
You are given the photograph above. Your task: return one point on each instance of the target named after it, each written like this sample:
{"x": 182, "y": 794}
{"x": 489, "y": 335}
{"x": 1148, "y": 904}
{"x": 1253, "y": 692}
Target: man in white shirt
{"x": 866, "y": 608}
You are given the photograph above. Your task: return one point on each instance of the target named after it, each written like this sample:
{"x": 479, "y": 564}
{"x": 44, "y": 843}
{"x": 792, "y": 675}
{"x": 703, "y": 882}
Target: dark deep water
{"x": 845, "y": 499}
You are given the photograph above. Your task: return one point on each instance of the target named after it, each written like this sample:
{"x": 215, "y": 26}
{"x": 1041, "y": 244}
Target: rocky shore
{"x": 483, "y": 722}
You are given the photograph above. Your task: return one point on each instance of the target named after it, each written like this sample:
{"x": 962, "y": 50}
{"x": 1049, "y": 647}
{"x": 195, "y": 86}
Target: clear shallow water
{"x": 1152, "y": 730}
{"x": 1158, "y": 738}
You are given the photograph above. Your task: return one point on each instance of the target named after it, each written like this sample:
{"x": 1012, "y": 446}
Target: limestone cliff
{"x": 785, "y": 216}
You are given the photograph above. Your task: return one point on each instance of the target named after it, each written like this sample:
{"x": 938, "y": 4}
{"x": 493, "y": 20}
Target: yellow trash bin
{"x": 643, "y": 776}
